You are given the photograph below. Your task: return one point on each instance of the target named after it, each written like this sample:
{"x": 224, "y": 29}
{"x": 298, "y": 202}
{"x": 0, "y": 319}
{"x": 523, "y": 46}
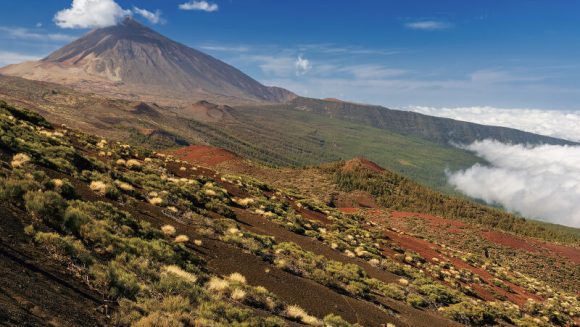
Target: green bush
{"x": 332, "y": 320}
{"x": 74, "y": 218}
{"x": 64, "y": 246}
{"x": 48, "y": 206}
{"x": 417, "y": 301}
{"x": 477, "y": 314}
{"x": 438, "y": 294}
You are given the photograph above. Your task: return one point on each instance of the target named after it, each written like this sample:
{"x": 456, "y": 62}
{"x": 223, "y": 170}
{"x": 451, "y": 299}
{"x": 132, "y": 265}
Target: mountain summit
{"x": 132, "y": 60}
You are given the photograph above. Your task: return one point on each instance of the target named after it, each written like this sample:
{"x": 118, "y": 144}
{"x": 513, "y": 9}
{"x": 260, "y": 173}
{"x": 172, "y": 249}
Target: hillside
{"x": 441, "y": 130}
{"x": 131, "y": 61}
{"x": 276, "y": 136}
{"x": 122, "y": 235}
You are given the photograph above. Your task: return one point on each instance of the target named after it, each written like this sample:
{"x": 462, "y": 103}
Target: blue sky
{"x": 510, "y": 54}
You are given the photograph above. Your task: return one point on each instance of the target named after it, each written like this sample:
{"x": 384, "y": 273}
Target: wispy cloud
{"x": 325, "y": 48}
{"x": 20, "y": 33}
{"x": 9, "y": 57}
{"x": 302, "y": 65}
{"x": 152, "y": 17}
{"x": 428, "y": 25}
{"x": 276, "y": 65}
{"x": 556, "y": 123}
{"x": 199, "y": 5}
{"x": 541, "y": 182}
{"x": 225, "y": 48}
{"x": 371, "y": 71}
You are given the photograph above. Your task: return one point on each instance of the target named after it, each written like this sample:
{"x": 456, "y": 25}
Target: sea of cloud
{"x": 541, "y": 182}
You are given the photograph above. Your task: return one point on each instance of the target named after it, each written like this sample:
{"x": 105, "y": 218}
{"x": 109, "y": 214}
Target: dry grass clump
{"x": 168, "y": 230}
{"x": 237, "y": 278}
{"x": 403, "y": 281}
{"x": 133, "y": 164}
{"x": 374, "y": 262}
{"x": 125, "y": 186}
{"x": 198, "y": 242}
{"x": 20, "y": 160}
{"x": 297, "y": 313}
{"x": 210, "y": 192}
{"x": 182, "y": 168}
{"x": 238, "y": 294}
{"x": 181, "y": 239}
{"x": 98, "y": 187}
{"x": 156, "y": 201}
{"x": 102, "y": 144}
{"x": 177, "y": 271}
{"x": 217, "y": 284}
{"x": 57, "y": 182}
{"x": 245, "y": 202}
{"x": 120, "y": 162}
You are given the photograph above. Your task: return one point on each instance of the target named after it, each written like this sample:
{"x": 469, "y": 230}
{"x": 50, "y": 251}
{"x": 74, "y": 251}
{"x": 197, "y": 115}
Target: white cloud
{"x": 199, "y": 5}
{"x": 9, "y": 57}
{"x": 560, "y": 124}
{"x": 20, "y": 33}
{"x": 152, "y": 17}
{"x": 302, "y": 65}
{"x": 428, "y": 25}
{"x": 90, "y": 14}
{"x": 541, "y": 182}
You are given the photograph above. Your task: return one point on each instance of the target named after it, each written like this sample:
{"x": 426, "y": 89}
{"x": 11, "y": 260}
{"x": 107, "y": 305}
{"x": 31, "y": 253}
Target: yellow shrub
{"x": 20, "y": 160}
{"x": 181, "y": 239}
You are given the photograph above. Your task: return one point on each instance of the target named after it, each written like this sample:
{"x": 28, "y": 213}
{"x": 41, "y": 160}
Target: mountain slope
{"x": 437, "y": 129}
{"x": 131, "y": 237}
{"x": 132, "y": 60}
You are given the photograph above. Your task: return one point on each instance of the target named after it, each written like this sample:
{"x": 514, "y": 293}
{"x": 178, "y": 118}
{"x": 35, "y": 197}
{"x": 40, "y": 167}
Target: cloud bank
{"x": 560, "y": 124}
{"x": 541, "y": 182}
{"x": 199, "y": 5}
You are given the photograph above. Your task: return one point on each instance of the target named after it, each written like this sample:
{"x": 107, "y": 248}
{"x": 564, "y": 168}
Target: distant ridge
{"x": 133, "y": 61}
{"x": 436, "y": 129}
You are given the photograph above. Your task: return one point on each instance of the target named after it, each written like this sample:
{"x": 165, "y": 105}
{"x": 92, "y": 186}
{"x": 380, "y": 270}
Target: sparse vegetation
{"x": 155, "y": 275}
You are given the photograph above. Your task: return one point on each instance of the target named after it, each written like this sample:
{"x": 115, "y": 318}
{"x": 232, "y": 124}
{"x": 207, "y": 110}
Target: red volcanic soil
{"x": 430, "y": 250}
{"x": 202, "y": 154}
{"x": 529, "y": 245}
{"x": 509, "y": 241}
{"x": 566, "y": 251}
{"x": 351, "y": 164}
{"x": 497, "y": 237}
{"x": 348, "y": 210}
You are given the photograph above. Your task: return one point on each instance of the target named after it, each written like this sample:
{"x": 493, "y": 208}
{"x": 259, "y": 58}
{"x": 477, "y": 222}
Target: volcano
{"x": 130, "y": 60}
